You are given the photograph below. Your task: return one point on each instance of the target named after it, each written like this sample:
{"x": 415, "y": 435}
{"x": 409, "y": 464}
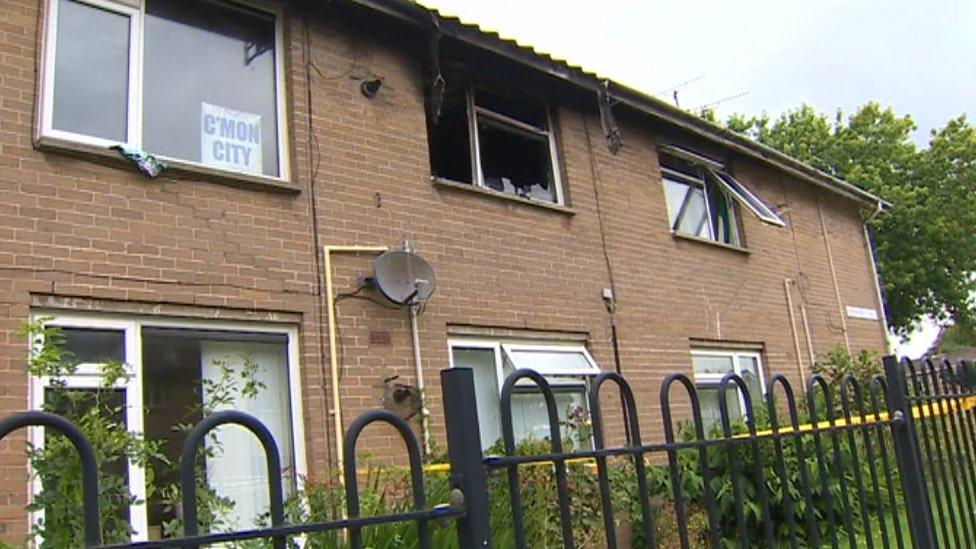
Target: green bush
{"x": 55, "y": 464}
{"x": 99, "y": 414}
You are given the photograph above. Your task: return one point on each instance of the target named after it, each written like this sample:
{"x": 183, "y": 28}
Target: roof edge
{"x": 424, "y": 18}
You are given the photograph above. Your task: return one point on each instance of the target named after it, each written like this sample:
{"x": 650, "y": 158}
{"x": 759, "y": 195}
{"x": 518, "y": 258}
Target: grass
{"x": 953, "y": 513}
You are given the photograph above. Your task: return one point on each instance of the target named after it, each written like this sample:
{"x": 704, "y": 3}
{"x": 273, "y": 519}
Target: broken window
{"x": 449, "y": 139}
{"x": 497, "y": 141}
{"x": 190, "y": 81}
{"x": 702, "y": 196}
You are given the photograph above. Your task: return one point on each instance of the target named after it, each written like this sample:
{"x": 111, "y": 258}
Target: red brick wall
{"x": 72, "y": 227}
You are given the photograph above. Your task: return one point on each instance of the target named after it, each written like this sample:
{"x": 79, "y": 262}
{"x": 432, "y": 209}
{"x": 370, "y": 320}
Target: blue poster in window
{"x": 230, "y": 139}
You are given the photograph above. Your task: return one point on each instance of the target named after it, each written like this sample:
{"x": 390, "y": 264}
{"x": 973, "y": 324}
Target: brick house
{"x": 302, "y": 138}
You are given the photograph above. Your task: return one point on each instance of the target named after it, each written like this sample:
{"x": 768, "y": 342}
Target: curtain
{"x": 530, "y": 417}
{"x": 237, "y": 470}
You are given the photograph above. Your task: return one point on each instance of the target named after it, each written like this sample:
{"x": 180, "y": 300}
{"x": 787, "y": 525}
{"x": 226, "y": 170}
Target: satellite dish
{"x": 403, "y": 277}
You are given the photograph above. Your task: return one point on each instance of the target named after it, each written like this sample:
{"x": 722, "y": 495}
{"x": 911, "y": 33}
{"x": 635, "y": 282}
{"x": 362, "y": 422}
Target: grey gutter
{"x": 424, "y": 18}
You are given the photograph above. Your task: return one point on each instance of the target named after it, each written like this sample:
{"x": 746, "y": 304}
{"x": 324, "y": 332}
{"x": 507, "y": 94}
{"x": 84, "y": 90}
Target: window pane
{"x": 518, "y": 108}
{"x": 569, "y": 362}
{"x": 748, "y": 364}
{"x": 88, "y": 346}
{"x": 750, "y": 200}
{"x": 449, "y": 140}
{"x": 209, "y": 85}
{"x": 712, "y": 364}
{"x": 482, "y": 364}
{"x": 692, "y": 214}
{"x": 722, "y": 220}
{"x": 711, "y": 412}
{"x": 515, "y": 161}
{"x": 91, "y": 71}
{"x": 186, "y": 374}
{"x": 507, "y": 366}
{"x": 749, "y": 371}
{"x": 530, "y": 420}
{"x": 674, "y": 195}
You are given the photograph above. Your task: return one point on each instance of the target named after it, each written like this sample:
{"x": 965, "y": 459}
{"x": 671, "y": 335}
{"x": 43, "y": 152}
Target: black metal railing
{"x": 876, "y": 462}
{"x": 279, "y": 532}
{"x": 945, "y": 425}
{"x": 888, "y": 461}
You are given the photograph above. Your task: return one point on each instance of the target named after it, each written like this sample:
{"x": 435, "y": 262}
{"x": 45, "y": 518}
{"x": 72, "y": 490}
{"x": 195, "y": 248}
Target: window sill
{"x": 699, "y": 240}
{"x": 468, "y": 187}
{"x": 176, "y": 169}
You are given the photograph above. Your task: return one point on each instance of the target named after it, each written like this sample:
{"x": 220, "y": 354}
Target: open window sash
{"x": 745, "y": 197}
{"x": 552, "y": 360}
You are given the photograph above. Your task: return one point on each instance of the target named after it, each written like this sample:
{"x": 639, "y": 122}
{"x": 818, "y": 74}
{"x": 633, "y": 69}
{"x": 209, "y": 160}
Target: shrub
{"x": 386, "y": 490}
{"x": 55, "y": 464}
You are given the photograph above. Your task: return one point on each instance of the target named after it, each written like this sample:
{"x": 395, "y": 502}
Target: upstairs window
{"x": 496, "y": 140}
{"x": 696, "y": 206}
{"x": 702, "y": 198}
{"x": 191, "y": 81}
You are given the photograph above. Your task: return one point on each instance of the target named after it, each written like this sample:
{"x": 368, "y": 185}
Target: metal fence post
{"x": 917, "y": 505}
{"x": 468, "y": 477}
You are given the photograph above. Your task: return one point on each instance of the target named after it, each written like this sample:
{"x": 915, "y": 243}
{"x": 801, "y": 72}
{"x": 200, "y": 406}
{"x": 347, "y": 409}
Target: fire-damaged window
{"x": 190, "y": 81}
{"x": 703, "y": 198}
{"x": 495, "y": 140}
{"x": 567, "y": 367}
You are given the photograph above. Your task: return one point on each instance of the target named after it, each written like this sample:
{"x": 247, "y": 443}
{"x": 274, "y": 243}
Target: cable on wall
{"x": 594, "y": 177}
{"x": 313, "y": 158}
{"x": 612, "y": 302}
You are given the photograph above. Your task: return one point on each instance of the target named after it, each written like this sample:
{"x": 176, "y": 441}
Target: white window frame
{"x": 88, "y": 377}
{"x": 135, "y": 10}
{"x": 744, "y": 196}
{"x": 729, "y": 184}
{"x": 713, "y": 380}
{"x": 511, "y": 348}
{"x": 699, "y": 181}
{"x": 475, "y": 111}
{"x": 556, "y": 379}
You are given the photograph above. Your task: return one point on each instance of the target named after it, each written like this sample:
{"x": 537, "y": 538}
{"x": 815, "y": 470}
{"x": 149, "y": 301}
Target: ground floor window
{"x": 711, "y": 365}
{"x": 178, "y": 371}
{"x": 566, "y": 367}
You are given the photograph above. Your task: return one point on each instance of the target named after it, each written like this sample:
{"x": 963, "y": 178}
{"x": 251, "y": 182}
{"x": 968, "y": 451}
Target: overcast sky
{"x": 918, "y": 57}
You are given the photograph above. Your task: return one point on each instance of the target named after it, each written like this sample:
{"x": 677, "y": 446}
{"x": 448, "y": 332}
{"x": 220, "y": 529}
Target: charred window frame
{"x": 496, "y": 140}
{"x": 697, "y": 203}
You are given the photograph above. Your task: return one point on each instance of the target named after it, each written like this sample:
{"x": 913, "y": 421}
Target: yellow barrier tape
{"x": 931, "y": 409}
{"x": 942, "y": 406}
